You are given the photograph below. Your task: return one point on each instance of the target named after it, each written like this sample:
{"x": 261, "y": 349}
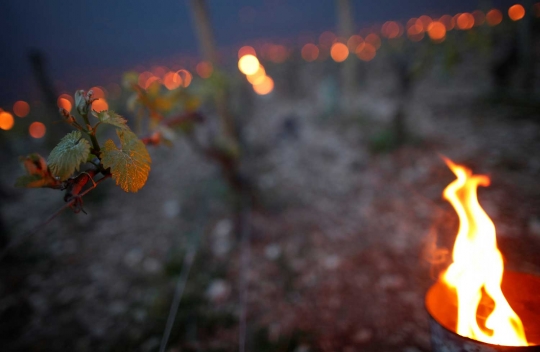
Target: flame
{"x": 478, "y": 266}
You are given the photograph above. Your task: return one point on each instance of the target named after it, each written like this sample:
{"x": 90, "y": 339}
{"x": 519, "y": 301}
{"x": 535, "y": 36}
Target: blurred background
{"x": 294, "y": 201}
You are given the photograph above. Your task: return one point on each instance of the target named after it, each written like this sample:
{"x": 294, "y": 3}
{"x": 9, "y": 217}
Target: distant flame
{"x": 477, "y": 266}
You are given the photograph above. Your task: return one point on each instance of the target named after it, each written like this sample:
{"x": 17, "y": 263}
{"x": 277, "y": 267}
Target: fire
{"x": 477, "y": 266}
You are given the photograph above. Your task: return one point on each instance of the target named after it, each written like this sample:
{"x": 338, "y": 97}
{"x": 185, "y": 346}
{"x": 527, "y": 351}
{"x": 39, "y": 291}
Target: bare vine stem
{"x": 179, "y": 291}
{"x": 68, "y": 204}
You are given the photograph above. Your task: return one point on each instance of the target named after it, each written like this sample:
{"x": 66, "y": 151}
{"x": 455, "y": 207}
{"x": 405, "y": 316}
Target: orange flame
{"x": 478, "y": 266}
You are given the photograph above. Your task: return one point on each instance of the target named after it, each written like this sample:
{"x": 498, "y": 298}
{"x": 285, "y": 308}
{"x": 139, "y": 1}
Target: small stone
{"x": 272, "y": 251}
{"x": 363, "y": 336}
{"x": 171, "y": 208}
{"x": 332, "y": 262}
{"x": 133, "y": 257}
{"x": 117, "y": 308}
{"x": 302, "y": 348}
{"x": 152, "y": 265}
{"x": 218, "y": 291}
{"x": 534, "y": 226}
{"x": 391, "y": 282}
{"x": 223, "y": 228}
{"x": 151, "y": 344}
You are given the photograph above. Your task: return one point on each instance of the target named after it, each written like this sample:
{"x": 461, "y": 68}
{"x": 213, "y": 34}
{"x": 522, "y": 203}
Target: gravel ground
{"x": 340, "y": 258}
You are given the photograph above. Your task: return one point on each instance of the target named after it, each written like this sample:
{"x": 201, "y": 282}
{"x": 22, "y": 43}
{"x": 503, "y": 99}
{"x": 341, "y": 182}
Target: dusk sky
{"x": 114, "y": 36}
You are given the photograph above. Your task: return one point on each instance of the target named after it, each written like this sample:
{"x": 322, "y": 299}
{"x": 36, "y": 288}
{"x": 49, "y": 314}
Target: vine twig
{"x": 68, "y": 204}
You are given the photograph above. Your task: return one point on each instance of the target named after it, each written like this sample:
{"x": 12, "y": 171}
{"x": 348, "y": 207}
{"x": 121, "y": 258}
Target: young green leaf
{"x": 38, "y": 174}
{"x": 67, "y": 156}
{"x": 111, "y": 118}
{"x": 130, "y": 164}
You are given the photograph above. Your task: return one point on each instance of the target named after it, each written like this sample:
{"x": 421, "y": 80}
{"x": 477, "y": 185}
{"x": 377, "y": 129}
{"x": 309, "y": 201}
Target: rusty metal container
{"x": 522, "y": 292}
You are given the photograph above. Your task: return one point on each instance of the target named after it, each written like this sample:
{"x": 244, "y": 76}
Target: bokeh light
{"x": 65, "y": 101}
{"x": 516, "y": 12}
{"x": 374, "y": 40}
{"x": 310, "y": 52}
{"x": 100, "y": 105}
{"x": 339, "y": 52}
{"x": 98, "y": 92}
{"x": 425, "y": 21}
{"x": 391, "y": 29}
{"x": 258, "y": 76}
{"x": 172, "y": 80}
{"x": 326, "y": 39}
{"x": 277, "y": 53}
{"x": 465, "y": 21}
{"x": 204, "y": 69}
{"x": 159, "y": 71}
{"x": 248, "y": 64}
{"x": 265, "y": 87}
{"x": 479, "y": 17}
{"x": 494, "y": 17}
{"x": 415, "y": 32}
{"x": 21, "y": 108}
{"x": 246, "y": 50}
{"x": 6, "y": 120}
{"x": 353, "y": 42}
{"x": 366, "y": 51}
{"x": 146, "y": 78}
{"x": 37, "y": 129}
{"x": 448, "y": 22}
{"x": 186, "y": 77}
{"x": 437, "y": 31}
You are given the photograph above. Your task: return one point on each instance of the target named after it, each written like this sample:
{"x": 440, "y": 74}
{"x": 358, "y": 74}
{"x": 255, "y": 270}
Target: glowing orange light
{"x": 246, "y": 50}
{"x": 437, "y": 31}
{"x": 448, "y": 22}
{"x": 204, "y": 69}
{"x": 265, "y": 87}
{"x": 186, "y": 77}
{"x": 516, "y": 12}
{"x": 366, "y": 51}
{"x": 425, "y": 21}
{"x": 100, "y": 105}
{"x": 479, "y": 17}
{"x": 145, "y": 79}
{"x": 172, "y": 80}
{"x": 258, "y": 77}
{"x": 98, "y": 92}
{"x": 353, "y": 42}
{"x": 65, "y": 101}
{"x": 6, "y": 120}
{"x": 391, "y": 29}
{"x": 477, "y": 266}
{"x": 37, "y": 130}
{"x": 412, "y": 22}
{"x": 159, "y": 71}
{"x": 326, "y": 39}
{"x": 374, "y": 40}
{"x": 465, "y": 21}
{"x": 21, "y": 108}
{"x": 310, "y": 52}
{"x": 339, "y": 52}
{"x": 415, "y": 32}
{"x": 494, "y": 17}
{"x": 248, "y": 64}
{"x": 277, "y": 53}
